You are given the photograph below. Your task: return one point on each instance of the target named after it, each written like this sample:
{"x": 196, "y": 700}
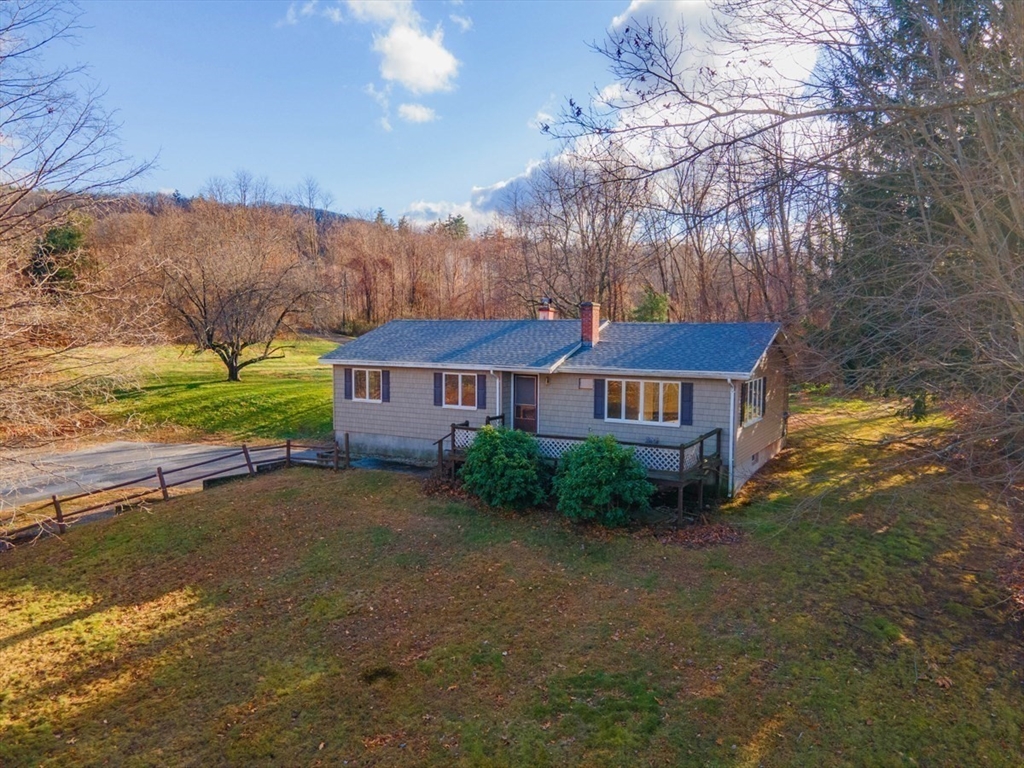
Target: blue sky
{"x": 404, "y": 106}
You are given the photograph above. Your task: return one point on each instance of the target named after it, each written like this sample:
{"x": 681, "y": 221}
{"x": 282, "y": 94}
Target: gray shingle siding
{"x": 706, "y": 355}
{"x": 763, "y": 437}
{"x": 565, "y": 409}
{"x": 408, "y": 424}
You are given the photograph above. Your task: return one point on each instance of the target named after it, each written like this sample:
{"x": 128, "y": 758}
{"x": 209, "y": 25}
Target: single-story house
{"x": 659, "y": 386}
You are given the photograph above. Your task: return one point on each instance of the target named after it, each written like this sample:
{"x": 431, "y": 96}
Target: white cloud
{"x": 298, "y": 11}
{"x": 464, "y": 22}
{"x": 425, "y": 213}
{"x": 334, "y": 14}
{"x": 291, "y": 16}
{"x": 719, "y": 73}
{"x": 409, "y": 56}
{"x": 416, "y": 113}
{"x": 382, "y": 97}
{"x": 417, "y": 61}
{"x": 384, "y": 11}
{"x": 481, "y": 210}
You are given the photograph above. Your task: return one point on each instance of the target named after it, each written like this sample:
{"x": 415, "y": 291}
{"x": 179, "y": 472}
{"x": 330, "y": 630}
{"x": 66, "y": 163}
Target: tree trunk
{"x": 231, "y": 363}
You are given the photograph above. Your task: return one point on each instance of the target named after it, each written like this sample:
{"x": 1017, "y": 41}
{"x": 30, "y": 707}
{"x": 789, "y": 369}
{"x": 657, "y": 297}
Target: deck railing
{"x": 683, "y": 460}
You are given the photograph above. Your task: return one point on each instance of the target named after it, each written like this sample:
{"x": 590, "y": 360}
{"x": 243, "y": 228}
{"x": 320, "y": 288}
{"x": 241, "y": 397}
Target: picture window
{"x": 645, "y": 402}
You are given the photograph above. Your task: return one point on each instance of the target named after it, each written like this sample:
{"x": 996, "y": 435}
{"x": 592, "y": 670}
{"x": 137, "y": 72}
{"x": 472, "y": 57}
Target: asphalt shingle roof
{"x": 732, "y": 348}
{"x": 520, "y": 344}
{"x": 696, "y": 348}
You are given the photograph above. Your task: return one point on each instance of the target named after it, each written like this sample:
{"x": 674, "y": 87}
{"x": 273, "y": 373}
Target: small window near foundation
{"x": 586, "y": 383}
{"x": 753, "y": 459}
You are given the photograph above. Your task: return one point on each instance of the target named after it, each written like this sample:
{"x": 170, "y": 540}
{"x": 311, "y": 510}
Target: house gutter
{"x": 732, "y": 434}
{"x": 590, "y": 370}
{"x": 441, "y": 365}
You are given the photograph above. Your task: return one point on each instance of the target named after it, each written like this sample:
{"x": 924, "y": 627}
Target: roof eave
{"x": 764, "y": 355}
{"x": 441, "y": 366}
{"x": 604, "y": 371}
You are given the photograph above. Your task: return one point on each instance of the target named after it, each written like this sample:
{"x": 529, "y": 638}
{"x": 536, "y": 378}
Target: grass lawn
{"x": 312, "y": 618}
{"x": 180, "y": 395}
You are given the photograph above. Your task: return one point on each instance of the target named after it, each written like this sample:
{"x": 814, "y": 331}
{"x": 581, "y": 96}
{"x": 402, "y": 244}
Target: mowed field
{"x": 176, "y": 395}
{"x": 314, "y": 618}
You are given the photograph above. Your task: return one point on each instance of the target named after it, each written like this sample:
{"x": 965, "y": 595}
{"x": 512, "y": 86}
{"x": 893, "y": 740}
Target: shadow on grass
{"x": 251, "y": 624}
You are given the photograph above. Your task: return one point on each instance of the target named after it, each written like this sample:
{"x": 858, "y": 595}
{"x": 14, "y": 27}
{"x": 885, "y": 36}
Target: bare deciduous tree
{"x": 232, "y": 279}
{"x": 908, "y": 129}
{"x": 58, "y": 151}
{"x": 578, "y": 232}
{"x": 58, "y": 146}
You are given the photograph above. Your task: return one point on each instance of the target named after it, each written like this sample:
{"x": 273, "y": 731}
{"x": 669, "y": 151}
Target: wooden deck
{"x": 691, "y": 464}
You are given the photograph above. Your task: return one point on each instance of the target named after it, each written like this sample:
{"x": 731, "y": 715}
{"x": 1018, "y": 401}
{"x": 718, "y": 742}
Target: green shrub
{"x": 503, "y": 468}
{"x": 600, "y": 480}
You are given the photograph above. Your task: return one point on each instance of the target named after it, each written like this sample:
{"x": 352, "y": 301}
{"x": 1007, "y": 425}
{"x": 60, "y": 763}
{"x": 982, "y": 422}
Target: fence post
{"x": 163, "y": 483}
{"x": 337, "y": 454}
{"x": 453, "y": 438}
{"x": 288, "y": 453}
{"x": 248, "y": 460}
{"x": 348, "y": 454}
{"x": 440, "y": 457}
{"x": 60, "y": 515}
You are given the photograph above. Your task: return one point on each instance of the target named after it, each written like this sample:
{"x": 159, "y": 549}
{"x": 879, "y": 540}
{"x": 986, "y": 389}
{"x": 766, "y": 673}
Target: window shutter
{"x": 743, "y": 402}
{"x": 599, "y": 399}
{"x": 438, "y": 389}
{"x": 764, "y": 396}
{"x": 481, "y": 391}
{"x": 686, "y": 406}
{"x": 385, "y": 386}
{"x": 348, "y": 383}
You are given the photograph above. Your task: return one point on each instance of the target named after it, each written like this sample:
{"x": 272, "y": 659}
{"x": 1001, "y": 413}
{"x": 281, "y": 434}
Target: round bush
{"x": 503, "y": 469}
{"x": 601, "y": 480}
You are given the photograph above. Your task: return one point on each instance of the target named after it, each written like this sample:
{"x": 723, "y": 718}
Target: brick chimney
{"x": 590, "y": 322}
{"x": 546, "y": 311}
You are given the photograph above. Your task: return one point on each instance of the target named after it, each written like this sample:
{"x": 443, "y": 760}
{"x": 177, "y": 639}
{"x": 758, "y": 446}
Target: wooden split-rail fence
{"x": 55, "y": 512}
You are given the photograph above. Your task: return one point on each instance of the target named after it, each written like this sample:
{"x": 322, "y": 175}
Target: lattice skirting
{"x": 654, "y": 458}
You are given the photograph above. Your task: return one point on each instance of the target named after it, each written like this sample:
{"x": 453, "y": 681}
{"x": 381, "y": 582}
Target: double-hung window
{"x": 460, "y": 390}
{"x": 646, "y": 402}
{"x": 753, "y": 401}
{"x": 366, "y": 385}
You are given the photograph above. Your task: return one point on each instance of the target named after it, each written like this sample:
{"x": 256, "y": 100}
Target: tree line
{"x": 872, "y": 204}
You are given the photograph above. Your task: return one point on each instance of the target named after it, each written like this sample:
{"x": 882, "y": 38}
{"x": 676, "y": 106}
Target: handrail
{"x": 204, "y": 462}
{"x": 716, "y": 432}
{"x": 695, "y": 441}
